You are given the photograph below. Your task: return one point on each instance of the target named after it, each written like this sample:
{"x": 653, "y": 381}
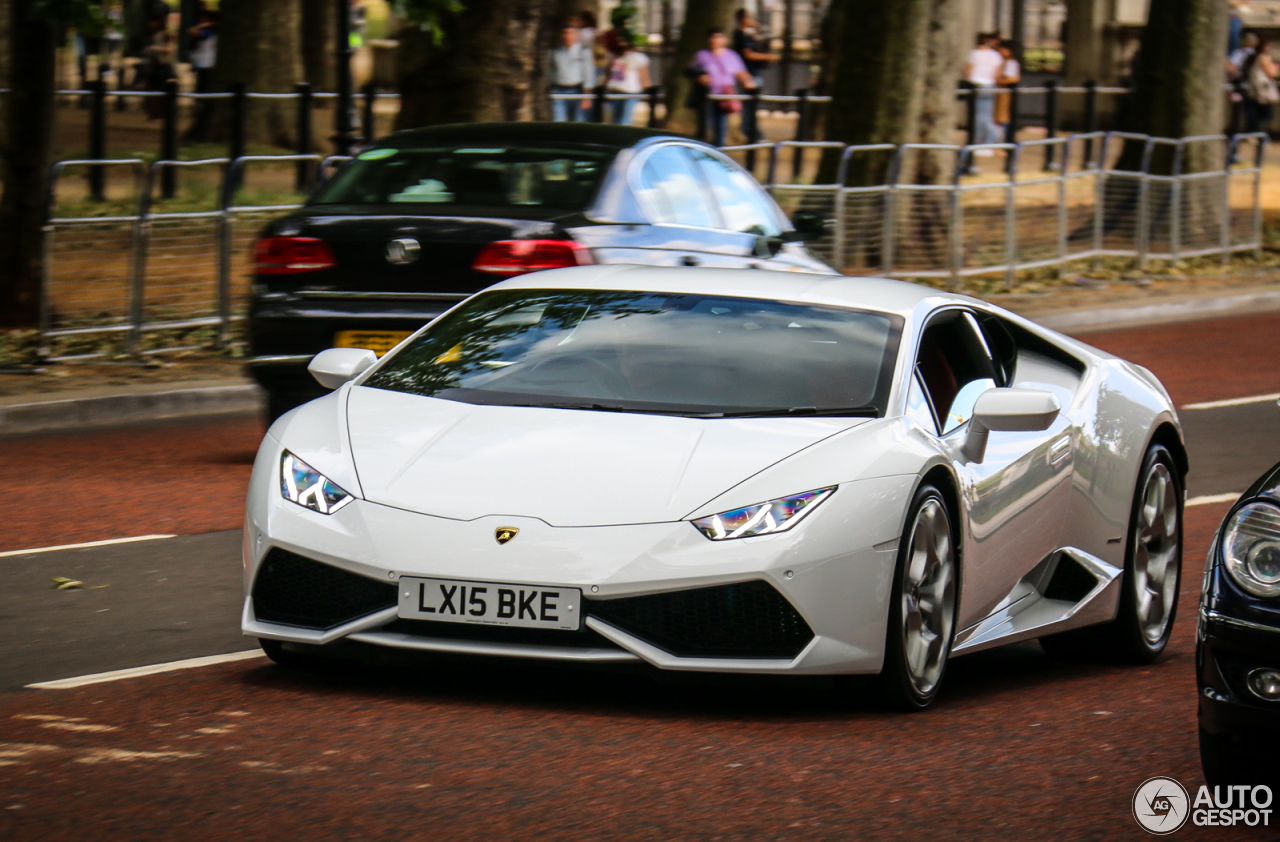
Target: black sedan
{"x": 1238, "y": 646}
{"x": 426, "y": 217}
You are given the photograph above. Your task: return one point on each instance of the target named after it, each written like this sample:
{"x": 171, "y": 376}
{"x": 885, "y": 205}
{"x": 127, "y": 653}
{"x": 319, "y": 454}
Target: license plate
{"x": 378, "y": 341}
{"x": 487, "y": 604}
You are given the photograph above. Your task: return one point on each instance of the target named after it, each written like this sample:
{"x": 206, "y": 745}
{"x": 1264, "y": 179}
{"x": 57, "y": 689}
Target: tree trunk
{"x": 33, "y": 45}
{"x": 699, "y": 16}
{"x": 258, "y": 45}
{"x": 872, "y": 73}
{"x": 5, "y": 14}
{"x": 943, "y": 66}
{"x": 319, "y": 62}
{"x": 490, "y": 65}
{"x": 1178, "y": 80}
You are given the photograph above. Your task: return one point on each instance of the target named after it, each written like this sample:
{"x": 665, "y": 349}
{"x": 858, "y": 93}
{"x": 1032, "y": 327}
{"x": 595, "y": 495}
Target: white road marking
{"x": 1233, "y": 402}
{"x": 1212, "y": 498}
{"x": 105, "y": 543}
{"x": 134, "y": 672}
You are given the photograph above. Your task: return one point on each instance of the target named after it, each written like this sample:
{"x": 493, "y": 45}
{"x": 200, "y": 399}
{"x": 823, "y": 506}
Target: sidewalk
{"x": 85, "y": 394}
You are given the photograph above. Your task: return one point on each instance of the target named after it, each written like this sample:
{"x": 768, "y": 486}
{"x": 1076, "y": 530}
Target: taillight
{"x": 289, "y": 255}
{"x": 517, "y": 257}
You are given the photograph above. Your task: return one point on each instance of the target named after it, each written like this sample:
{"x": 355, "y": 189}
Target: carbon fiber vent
{"x": 298, "y": 591}
{"x": 743, "y": 620}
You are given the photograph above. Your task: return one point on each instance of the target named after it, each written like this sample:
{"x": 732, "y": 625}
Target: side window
{"x": 918, "y": 409}
{"x": 956, "y": 366}
{"x": 743, "y": 204}
{"x": 672, "y": 192}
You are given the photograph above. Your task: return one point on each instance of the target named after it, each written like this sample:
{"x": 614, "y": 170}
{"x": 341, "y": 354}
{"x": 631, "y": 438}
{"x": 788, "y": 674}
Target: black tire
{"x": 278, "y": 403}
{"x": 1227, "y": 761}
{"x": 1125, "y": 639}
{"x": 289, "y": 658}
{"x": 897, "y": 686}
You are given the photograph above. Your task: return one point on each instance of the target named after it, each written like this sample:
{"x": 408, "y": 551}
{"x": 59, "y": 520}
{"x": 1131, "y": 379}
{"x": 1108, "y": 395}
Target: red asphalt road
{"x": 189, "y": 478}
{"x": 1020, "y": 746}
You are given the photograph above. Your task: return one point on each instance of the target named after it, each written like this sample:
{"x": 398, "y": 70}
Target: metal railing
{"x": 915, "y": 211}
{"x": 153, "y": 269}
{"x": 973, "y": 219}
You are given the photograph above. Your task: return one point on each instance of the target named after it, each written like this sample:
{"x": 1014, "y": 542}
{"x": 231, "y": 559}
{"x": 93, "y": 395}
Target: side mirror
{"x": 808, "y": 226}
{"x": 336, "y": 366}
{"x": 1008, "y": 410}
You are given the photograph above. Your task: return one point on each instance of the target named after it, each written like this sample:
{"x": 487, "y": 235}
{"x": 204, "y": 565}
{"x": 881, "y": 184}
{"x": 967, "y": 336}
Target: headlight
{"x": 762, "y": 518}
{"x": 304, "y": 485}
{"x": 1251, "y": 548}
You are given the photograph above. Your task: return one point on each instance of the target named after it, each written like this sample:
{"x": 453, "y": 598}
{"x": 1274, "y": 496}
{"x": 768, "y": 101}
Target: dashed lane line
{"x": 135, "y": 672}
{"x": 1233, "y": 402}
{"x": 1210, "y": 499}
{"x": 105, "y": 543}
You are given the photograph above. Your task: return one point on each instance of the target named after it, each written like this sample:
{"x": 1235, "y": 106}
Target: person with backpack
{"x": 1258, "y": 87}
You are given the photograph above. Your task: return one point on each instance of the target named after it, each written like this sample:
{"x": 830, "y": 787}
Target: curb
{"x": 1147, "y": 315}
{"x": 111, "y": 410}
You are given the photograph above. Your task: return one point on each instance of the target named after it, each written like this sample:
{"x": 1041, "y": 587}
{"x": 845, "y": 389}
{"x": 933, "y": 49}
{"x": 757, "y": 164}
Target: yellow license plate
{"x": 378, "y": 341}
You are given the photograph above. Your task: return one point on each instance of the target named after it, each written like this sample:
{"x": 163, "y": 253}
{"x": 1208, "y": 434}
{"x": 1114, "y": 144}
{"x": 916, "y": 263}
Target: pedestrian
{"x": 204, "y": 48}
{"x": 982, "y": 71}
{"x": 717, "y": 69}
{"x": 1259, "y": 88}
{"x": 572, "y": 71}
{"x": 1010, "y": 74}
{"x": 159, "y": 59}
{"x": 587, "y": 29}
{"x": 755, "y": 56}
{"x": 628, "y": 74}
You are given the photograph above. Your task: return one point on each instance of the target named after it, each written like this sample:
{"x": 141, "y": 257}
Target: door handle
{"x": 690, "y": 260}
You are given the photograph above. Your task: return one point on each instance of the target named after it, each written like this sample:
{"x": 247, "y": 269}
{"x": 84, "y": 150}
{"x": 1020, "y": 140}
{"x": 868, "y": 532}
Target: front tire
{"x": 288, "y": 658}
{"x": 922, "y": 613}
{"x": 1152, "y": 573}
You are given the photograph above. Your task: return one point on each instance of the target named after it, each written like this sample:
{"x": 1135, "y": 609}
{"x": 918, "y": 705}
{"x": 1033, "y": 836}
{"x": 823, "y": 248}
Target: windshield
{"x": 651, "y": 352}
{"x": 548, "y": 176}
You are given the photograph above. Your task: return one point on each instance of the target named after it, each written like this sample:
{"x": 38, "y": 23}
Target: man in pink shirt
{"x": 719, "y": 68}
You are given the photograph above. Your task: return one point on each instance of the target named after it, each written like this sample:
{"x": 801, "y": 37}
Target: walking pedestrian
{"x": 982, "y": 70}
{"x": 1259, "y": 87}
{"x": 572, "y": 71}
{"x": 755, "y": 56}
{"x": 717, "y": 69}
{"x": 628, "y": 74}
{"x": 1010, "y": 74}
{"x": 159, "y": 58}
{"x": 204, "y": 49}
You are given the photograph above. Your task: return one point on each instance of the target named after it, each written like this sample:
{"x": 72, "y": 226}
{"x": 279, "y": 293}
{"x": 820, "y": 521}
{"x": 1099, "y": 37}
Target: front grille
{"x": 743, "y": 620}
{"x": 582, "y": 639}
{"x": 298, "y": 591}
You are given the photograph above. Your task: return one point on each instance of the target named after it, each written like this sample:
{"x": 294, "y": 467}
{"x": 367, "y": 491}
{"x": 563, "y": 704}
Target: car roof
{"x": 880, "y": 294}
{"x": 593, "y": 134}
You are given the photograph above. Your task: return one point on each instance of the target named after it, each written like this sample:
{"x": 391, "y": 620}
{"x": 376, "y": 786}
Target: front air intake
{"x": 742, "y": 620}
{"x": 298, "y": 591}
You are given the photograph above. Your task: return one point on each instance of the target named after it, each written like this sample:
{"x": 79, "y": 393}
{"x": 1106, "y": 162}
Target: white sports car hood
{"x": 566, "y": 467}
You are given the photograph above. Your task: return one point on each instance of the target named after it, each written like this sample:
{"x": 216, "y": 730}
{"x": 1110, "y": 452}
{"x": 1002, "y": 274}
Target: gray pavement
{"x": 164, "y": 600}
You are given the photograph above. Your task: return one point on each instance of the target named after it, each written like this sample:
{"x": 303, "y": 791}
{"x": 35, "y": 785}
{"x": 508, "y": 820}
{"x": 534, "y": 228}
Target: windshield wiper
{"x": 601, "y": 407}
{"x": 826, "y": 411}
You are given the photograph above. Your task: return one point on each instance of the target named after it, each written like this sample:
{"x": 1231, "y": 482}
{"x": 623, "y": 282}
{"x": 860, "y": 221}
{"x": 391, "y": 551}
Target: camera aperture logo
{"x": 1161, "y": 805}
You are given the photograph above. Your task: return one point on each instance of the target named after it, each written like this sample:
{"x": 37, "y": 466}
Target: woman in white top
{"x": 628, "y": 74}
{"x": 982, "y": 70}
